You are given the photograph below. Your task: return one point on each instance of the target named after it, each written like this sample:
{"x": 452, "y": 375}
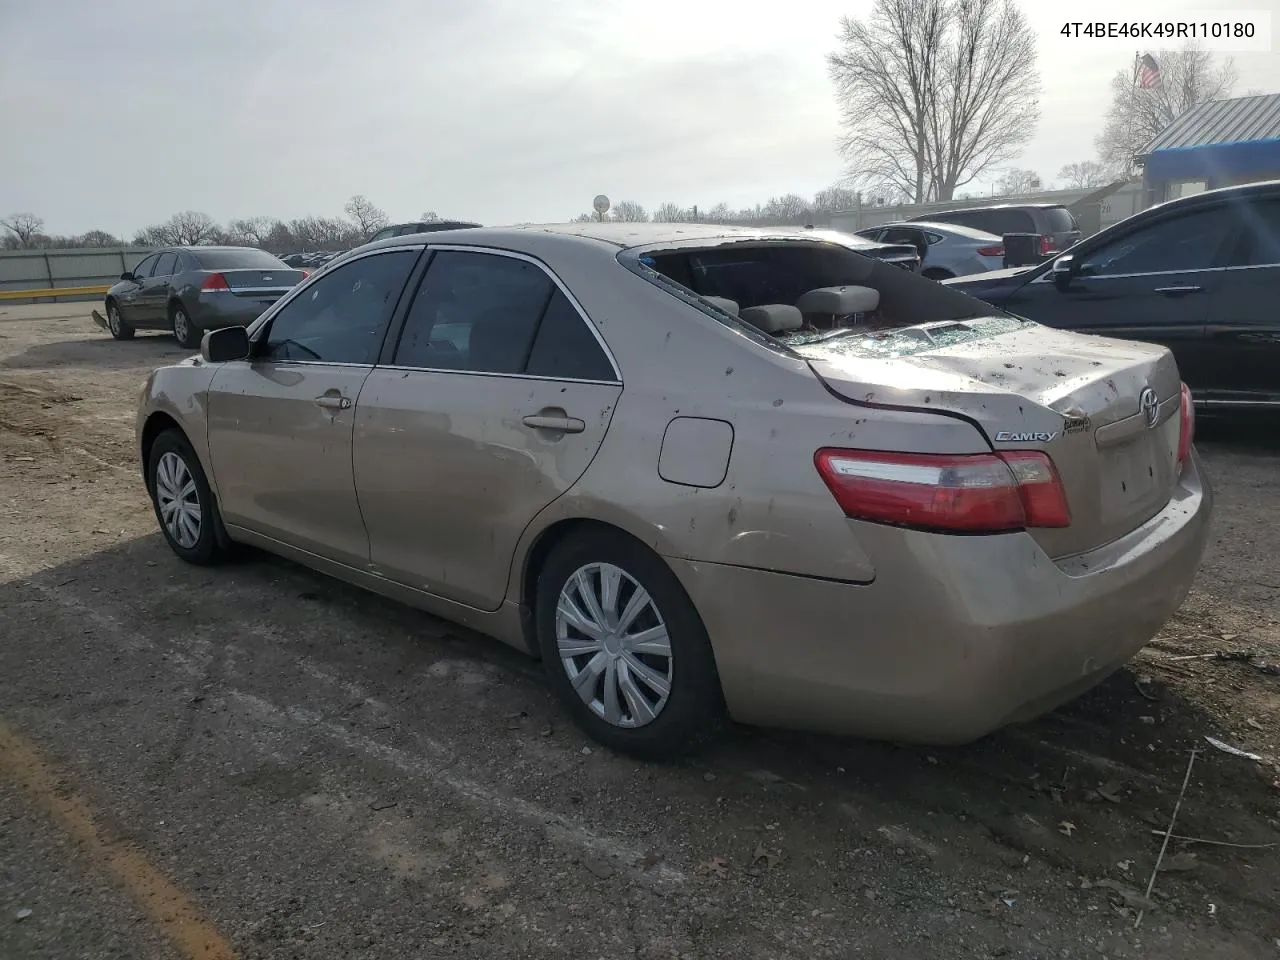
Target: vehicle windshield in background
{"x": 238, "y": 260}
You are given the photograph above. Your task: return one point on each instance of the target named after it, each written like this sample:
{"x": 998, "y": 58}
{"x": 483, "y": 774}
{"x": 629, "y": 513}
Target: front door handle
{"x": 559, "y": 424}
{"x": 330, "y": 402}
{"x": 1178, "y": 291}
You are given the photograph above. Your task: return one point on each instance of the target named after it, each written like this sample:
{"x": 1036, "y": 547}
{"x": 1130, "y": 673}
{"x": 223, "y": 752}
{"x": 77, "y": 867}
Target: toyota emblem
{"x": 1149, "y": 406}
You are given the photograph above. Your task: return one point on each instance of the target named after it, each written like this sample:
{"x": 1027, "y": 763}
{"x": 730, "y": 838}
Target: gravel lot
{"x": 255, "y": 761}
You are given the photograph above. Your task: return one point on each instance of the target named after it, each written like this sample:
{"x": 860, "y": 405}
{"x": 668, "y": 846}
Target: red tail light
{"x": 996, "y": 251}
{"x": 1047, "y": 246}
{"x": 1187, "y": 426}
{"x": 962, "y": 493}
{"x": 305, "y": 274}
{"x": 214, "y": 281}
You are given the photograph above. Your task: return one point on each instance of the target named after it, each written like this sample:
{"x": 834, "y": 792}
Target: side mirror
{"x": 1063, "y": 270}
{"x": 128, "y": 275}
{"x": 228, "y": 343}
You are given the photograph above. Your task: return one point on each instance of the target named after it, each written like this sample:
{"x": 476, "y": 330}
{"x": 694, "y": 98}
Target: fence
{"x": 84, "y": 273}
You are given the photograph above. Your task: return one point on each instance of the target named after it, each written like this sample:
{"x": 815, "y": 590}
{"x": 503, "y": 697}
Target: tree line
{"x": 25, "y": 231}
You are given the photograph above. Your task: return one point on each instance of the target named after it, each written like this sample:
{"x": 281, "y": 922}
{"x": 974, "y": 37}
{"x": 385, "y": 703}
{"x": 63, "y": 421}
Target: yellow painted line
{"x": 53, "y": 292}
{"x": 168, "y": 907}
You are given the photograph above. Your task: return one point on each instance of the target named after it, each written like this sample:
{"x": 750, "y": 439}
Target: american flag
{"x": 1148, "y": 72}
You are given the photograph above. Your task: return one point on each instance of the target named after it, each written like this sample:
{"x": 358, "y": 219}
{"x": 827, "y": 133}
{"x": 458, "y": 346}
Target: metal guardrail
{"x": 52, "y": 292}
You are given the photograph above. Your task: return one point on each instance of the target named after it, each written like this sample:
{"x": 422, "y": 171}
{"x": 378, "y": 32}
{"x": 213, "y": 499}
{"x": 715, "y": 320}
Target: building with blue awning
{"x": 1217, "y": 144}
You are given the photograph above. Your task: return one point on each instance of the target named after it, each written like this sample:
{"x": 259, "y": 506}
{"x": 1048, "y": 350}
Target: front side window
{"x": 144, "y": 268}
{"x": 341, "y": 318}
{"x": 1188, "y": 242}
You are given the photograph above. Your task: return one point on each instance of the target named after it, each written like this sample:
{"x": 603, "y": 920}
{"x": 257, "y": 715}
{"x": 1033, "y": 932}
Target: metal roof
{"x": 1241, "y": 120}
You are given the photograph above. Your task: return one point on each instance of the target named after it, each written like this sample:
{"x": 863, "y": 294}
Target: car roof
{"x": 958, "y": 229}
{"x": 623, "y": 236}
{"x": 999, "y": 206}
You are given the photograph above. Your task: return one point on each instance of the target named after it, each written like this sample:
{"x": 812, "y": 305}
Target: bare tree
{"x": 429, "y": 216}
{"x": 1085, "y": 175}
{"x": 1017, "y": 181}
{"x": 98, "y": 238}
{"x": 24, "y": 227}
{"x": 187, "y": 229}
{"x": 368, "y": 218}
{"x": 250, "y": 231}
{"x": 629, "y": 211}
{"x": 933, "y": 93}
{"x": 1188, "y": 78}
{"x": 671, "y": 213}
{"x": 835, "y": 198}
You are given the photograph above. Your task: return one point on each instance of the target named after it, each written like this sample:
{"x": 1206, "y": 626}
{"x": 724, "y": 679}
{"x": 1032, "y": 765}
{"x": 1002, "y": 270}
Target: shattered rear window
{"x": 901, "y": 342}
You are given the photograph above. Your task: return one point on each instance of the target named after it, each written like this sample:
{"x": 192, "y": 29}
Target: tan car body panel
{"x": 798, "y": 600}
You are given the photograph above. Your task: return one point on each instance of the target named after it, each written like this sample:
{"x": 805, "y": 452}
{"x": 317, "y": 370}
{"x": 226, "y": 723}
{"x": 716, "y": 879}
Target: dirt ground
{"x": 255, "y": 761}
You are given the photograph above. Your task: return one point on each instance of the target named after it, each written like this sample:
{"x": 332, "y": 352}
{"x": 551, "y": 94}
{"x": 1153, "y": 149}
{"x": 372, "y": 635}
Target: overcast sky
{"x": 115, "y": 115}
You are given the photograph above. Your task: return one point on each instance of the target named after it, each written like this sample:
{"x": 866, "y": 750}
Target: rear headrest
{"x": 839, "y": 301}
{"x": 773, "y": 317}
{"x": 724, "y": 303}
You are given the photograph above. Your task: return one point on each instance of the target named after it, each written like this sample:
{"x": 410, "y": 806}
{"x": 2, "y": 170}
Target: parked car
{"x": 192, "y": 289}
{"x": 1198, "y": 275}
{"x": 834, "y": 495}
{"x": 429, "y": 226}
{"x": 946, "y": 249}
{"x": 1056, "y": 225}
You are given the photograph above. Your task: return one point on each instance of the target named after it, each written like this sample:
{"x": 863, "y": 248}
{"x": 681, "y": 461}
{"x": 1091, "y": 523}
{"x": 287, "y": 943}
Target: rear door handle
{"x": 1178, "y": 291}
{"x": 558, "y": 424}
{"x": 330, "y": 402}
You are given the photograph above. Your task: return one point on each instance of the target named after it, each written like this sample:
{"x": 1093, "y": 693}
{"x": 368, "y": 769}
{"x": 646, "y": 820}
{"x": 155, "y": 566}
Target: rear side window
{"x": 486, "y": 313}
{"x": 564, "y": 347}
{"x": 1060, "y": 220}
{"x": 238, "y": 260}
{"x": 1261, "y": 223}
{"x": 1001, "y": 222}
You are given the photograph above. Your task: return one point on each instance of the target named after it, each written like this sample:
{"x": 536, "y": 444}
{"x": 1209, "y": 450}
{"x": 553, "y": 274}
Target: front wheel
{"x": 183, "y": 501}
{"x": 184, "y": 331}
{"x": 624, "y": 647}
{"x": 116, "y": 325}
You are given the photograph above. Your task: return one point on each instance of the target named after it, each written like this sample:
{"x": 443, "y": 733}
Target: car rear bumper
{"x": 215, "y": 310}
{"x": 956, "y": 637}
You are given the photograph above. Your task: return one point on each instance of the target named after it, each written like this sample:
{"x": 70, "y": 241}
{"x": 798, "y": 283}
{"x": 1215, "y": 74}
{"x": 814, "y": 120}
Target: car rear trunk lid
{"x": 262, "y": 284}
{"x": 1076, "y": 397}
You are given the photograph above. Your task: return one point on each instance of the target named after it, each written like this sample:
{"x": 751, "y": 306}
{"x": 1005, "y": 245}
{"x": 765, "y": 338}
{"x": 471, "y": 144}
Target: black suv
{"x": 1056, "y": 224}
{"x": 1199, "y": 275}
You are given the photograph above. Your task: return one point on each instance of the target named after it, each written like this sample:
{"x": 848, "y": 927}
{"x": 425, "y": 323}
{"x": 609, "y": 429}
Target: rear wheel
{"x": 184, "y": 331}
{"x": 183, "y": 502}
{"x": 116, "y": 326}
{"x": 624, "y": 647}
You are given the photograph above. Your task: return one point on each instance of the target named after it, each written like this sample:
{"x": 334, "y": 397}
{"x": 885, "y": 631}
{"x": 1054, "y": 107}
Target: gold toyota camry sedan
{"x": 702, "y": 473}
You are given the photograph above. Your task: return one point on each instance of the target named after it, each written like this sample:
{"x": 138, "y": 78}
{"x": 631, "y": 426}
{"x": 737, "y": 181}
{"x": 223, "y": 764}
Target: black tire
{"x": 694, "y": 708}
{"x": 184, "y": 331}
{"x": 937, "y": 273}
{"x": 211, "y": 545}
{"x": 116, "y": 326}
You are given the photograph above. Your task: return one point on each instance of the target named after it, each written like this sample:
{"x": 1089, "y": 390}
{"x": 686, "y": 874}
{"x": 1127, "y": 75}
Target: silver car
{"x": 946, "y": 249}
{"x": 701, "y": 471}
